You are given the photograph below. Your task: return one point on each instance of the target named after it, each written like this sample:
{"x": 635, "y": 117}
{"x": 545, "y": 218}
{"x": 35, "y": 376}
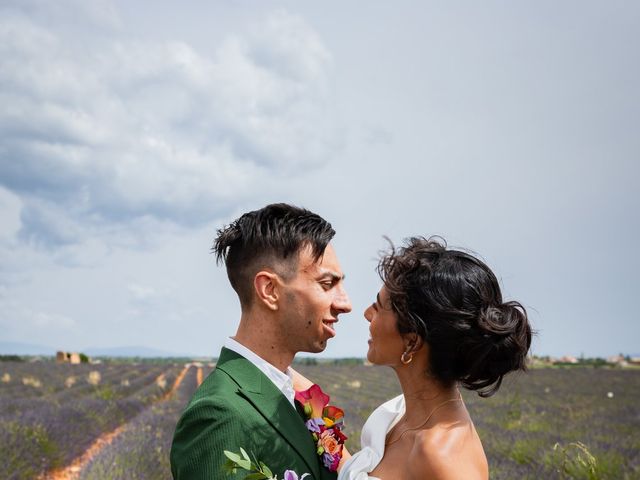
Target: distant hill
{"x": 17, "y": 348}
{"x": 131, "y": 351}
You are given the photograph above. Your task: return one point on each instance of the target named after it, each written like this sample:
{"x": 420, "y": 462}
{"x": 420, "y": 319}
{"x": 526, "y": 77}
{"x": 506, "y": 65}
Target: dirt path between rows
{"x": 177, "y": 383}
{"x": 199, "y": 376}
{"x": 72, "y": 471}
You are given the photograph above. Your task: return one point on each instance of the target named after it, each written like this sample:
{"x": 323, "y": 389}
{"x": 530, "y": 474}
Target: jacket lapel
{"x": 263, "y": 395}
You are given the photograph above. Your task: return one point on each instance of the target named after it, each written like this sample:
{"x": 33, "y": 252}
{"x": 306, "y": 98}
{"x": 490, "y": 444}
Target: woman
{"x": 440, "y": 322}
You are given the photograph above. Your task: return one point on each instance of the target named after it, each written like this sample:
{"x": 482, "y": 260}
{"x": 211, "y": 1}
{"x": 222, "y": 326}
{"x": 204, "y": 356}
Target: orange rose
{"x": 329, "y": 443}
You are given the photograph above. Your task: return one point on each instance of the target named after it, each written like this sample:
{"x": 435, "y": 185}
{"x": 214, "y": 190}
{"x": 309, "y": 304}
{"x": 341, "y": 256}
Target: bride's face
{"x": 385, "y": 344}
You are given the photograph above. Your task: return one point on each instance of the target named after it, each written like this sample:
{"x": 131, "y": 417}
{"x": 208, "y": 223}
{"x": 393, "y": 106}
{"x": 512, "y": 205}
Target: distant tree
{"x": 306, "y": 361}
{"x": 599, "y": 362}
{"x": 84, "y": 358}
{"x": 11, "y": 358}
{"x": 348, "y": 361}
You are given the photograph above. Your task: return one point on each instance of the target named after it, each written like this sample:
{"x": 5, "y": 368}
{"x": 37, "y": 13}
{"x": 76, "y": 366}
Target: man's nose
{"x": 342, "y": 302}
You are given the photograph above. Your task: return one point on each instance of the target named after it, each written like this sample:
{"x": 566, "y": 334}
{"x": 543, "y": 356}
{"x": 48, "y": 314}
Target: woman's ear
{"x": 412, "y": 342}
{"x": 266, "y": 285}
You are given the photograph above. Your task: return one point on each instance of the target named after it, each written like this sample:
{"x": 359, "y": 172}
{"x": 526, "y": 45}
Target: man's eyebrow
{"x": 333, "y": 275}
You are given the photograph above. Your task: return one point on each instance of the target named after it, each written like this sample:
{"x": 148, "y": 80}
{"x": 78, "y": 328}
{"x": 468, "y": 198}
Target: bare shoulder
{"x": 449, "y": 451}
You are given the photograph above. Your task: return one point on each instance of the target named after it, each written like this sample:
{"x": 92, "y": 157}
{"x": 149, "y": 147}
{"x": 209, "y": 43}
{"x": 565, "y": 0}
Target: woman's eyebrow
{"x": 382, "y": 306}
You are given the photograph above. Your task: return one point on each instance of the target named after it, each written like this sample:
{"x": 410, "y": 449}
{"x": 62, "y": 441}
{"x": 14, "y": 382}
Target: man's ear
{"x": 266, "y": 285}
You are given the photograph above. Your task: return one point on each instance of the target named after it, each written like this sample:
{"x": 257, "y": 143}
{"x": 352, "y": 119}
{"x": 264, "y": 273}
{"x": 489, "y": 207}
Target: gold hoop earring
{"x": 404, "y": 360}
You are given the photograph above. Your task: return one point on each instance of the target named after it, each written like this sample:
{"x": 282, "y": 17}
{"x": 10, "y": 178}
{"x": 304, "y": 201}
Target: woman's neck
{"x": 422, "y": 393}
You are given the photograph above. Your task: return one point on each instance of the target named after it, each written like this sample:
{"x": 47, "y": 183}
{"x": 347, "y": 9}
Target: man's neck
{"x": 263, "y": 344}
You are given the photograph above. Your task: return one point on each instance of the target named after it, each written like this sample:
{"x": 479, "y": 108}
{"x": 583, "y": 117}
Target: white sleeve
{"x": 374, "y": 433}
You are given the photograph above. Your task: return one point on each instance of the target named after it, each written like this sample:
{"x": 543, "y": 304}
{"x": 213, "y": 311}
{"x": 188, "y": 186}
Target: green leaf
{"x": 242, "y": 463}
{"x": 256, "y": 476}
{"x": 244, "y": 454}
{"x": 234, "y": 457}
{"x": 266, "y": 470}
{"x": 229, "y": 467}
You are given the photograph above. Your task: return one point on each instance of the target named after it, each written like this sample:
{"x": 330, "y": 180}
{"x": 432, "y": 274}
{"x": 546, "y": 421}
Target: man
{"x": 290, "y": 285}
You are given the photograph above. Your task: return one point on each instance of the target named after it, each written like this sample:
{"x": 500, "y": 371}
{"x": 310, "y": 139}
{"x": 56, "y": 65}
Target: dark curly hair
{"x": 269, "y": 237}
{"x": 452, "y": 300}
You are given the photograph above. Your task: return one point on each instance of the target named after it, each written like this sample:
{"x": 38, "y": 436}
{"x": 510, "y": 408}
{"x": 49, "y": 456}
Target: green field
{"x": 548, "y": 423}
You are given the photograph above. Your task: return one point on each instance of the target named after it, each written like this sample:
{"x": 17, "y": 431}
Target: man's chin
{"x": 318, "y": 347}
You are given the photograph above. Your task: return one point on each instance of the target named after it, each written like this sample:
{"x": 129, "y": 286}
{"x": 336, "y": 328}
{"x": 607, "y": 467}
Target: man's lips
{"x": 330, "y": 326}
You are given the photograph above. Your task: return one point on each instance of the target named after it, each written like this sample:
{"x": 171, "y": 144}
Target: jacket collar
{"x": 265, "y": 397}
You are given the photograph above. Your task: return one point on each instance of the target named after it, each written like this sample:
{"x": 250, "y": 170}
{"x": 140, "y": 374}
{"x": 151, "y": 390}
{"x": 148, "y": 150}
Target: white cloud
{"x": 10, "y": 207}
{"x": 97, "y": 14}
{"x": 141, "y": 292}
{"x": 518, "y": 145}
{"x": 51, "y": 320}
{"x": 17, "y": 317}
{"x": 104, "y": 129}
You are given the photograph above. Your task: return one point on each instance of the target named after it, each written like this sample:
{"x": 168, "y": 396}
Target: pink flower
{"x": 314, "y": 400}
{"x": 329, "y": 443}
{"x": 323, "y": 422}
{"x": 291, "y": 475}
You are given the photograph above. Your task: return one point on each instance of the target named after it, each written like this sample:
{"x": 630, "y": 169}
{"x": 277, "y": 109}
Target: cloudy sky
{"x": 131, "y": 131}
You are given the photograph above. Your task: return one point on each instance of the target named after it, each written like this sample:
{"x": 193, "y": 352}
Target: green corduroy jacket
{"x": 238, "y": 406}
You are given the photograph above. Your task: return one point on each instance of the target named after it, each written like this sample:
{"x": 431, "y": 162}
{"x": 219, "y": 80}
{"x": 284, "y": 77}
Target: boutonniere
{"x": 257, "y": 470}
{"x": 325, "y": 422}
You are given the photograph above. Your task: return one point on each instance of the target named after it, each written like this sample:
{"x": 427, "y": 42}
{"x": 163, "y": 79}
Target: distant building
{"x": 566, "y": 359}
{"x": 73, "y": 358}
{"x": 618, "y": 360}
{"x": 536, "y": 362}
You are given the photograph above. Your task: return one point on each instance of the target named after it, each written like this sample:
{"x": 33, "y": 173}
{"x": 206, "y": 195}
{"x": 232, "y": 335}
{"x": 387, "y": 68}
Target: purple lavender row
{"x": 522, "y": 424}
{"x": 39, "y": 434}
{"x": 39, "y": 379}
{"x": 142, "y": 450}
{"x": 582, "y": 412}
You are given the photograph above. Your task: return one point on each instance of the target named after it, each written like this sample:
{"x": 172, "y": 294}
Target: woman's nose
{"x": 368, "y": 314}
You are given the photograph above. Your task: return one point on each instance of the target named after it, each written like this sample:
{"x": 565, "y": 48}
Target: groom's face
{"x": 312, "y": 301}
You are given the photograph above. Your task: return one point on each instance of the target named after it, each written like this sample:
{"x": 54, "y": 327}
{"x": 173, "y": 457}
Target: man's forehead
{"x": 327, "y": 263}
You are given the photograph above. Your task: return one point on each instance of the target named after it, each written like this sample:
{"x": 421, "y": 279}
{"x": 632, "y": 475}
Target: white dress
{"x": 374, "y": 434}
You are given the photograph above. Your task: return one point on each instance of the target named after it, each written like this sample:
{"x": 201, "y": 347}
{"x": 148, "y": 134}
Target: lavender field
{"x": 592, "y": 415}
{"x": 549, "y": 423}
{"x": 51, "y": 414}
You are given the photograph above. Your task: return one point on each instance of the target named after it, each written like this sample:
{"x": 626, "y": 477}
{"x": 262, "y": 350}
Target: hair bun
{"x": 502, "y": 320}
{"x": 509, "y": 327}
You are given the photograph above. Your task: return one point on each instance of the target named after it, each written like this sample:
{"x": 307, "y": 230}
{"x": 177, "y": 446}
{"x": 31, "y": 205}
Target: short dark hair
{"x": 453, "y": 301}
{"x": 270, "y": 237}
